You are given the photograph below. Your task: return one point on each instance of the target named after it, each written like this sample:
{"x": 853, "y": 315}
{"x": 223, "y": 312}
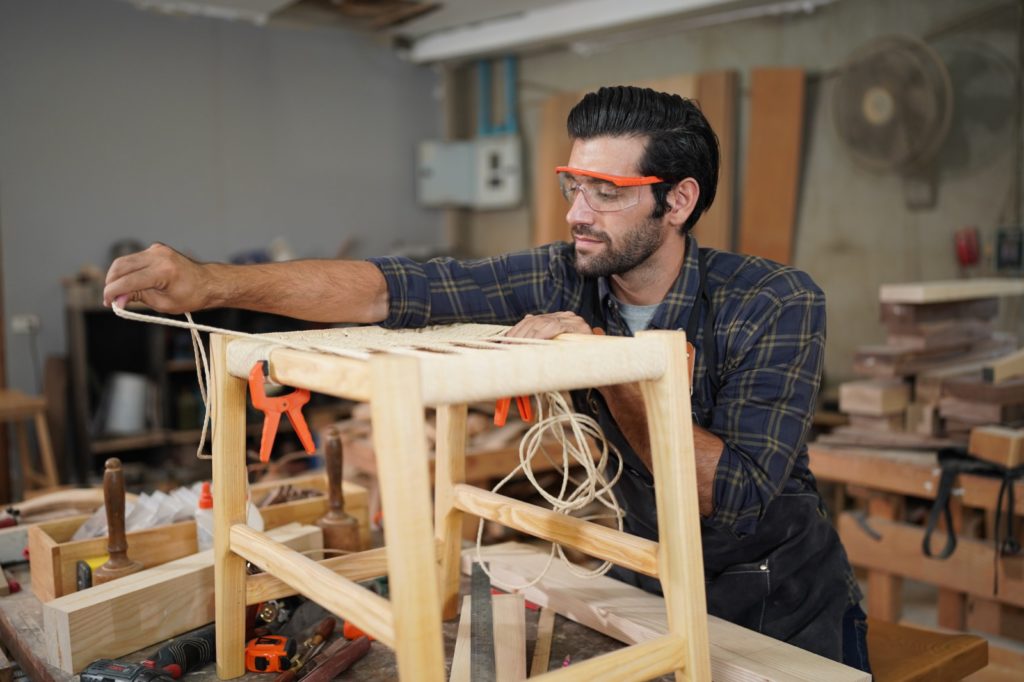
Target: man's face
{"x": 612, "y": 242}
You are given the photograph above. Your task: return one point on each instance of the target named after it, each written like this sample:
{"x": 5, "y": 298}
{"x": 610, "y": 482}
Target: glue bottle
{"x": 204, "y": 518}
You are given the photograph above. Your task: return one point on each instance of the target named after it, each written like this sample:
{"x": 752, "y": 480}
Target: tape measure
{"x": 269, "y": 654}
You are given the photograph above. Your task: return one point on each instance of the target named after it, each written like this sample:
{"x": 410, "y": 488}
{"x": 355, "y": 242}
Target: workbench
{"x": 883, "y": 542}
{"x": 21, "y": 631}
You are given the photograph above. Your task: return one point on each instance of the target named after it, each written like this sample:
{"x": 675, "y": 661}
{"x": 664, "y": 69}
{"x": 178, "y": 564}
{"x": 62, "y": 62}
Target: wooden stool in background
{"x": 902, "y": 653}
{"x": 19, "y": 408}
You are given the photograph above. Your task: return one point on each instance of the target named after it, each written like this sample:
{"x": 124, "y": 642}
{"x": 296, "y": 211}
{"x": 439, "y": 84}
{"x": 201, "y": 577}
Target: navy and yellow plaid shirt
{"x": 769, "y": 327}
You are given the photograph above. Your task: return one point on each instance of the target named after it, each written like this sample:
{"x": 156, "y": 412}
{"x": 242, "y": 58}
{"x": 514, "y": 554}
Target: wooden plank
{"x": 1001, "y": 369}
{"x": 850, "y": 436}
{"x": 884, "y": 600}
{"x": 973, "y": 387}
{"x": 673, "y": 459}
{"x": 997, "y": 444}
{"x": 630, "y": 615}
{"x": 551, "y": 149}
{"x": 902, "y": 472}
{"x": 509, "y": 637}
{"x": 888, "y": 361}
{"x": 949, "y": 290}
{"x": 542, "y": 644}
{"x": 771, "y": 181}
{"x": 142, "y": 609}
{"x": 365, "y": 609}
{"x": 890, "y": 423}
{"x": 900, "y": 314}
{"x": 364, "y": 565}
{"x": 450, "y": 470}
{"x": 976, "y": 413}
{"x": 461, "y": 658}
{"x": 230, "y": 490}
{"x": 969, "y": 569}
{"x": 938, "y": 335}
{"x": 874, "y": 397}
{"x": 598, "y": 541}
{"x": 717, "y": 95}
{"x": 400, "y": 442}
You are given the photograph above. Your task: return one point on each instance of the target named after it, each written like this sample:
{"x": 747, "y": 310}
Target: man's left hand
{"x": 550, "y": 325}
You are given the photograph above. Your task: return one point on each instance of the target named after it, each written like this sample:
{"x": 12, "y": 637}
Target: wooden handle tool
{"x": 118, "y": 565}
{"x": 341, "y": 530}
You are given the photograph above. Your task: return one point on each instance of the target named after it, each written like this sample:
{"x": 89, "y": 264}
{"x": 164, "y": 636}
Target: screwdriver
{"x": 323, "y": 632}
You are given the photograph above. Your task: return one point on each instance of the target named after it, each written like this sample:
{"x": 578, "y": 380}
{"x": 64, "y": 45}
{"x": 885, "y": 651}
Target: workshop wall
{"x": 212, "y": 136}
{"x": 854, "y": 230}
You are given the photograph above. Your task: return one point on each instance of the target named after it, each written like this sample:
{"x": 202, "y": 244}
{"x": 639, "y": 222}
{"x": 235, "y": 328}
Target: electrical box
{"x": 485, "y": 173}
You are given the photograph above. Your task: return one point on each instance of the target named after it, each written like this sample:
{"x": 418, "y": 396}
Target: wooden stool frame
{"x": 421, "y": 554}
{"x": 19, "y": 408}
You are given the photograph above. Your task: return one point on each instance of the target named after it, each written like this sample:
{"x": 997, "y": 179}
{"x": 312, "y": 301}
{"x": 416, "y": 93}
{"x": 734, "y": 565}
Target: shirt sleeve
{"x": 499, "y": 290}
{"x": 766, "y": 402}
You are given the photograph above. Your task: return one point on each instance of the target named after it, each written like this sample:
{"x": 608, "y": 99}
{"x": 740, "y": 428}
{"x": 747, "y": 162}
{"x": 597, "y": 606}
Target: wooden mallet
{"x": 341, "y": 530}
{"x": 118, "y": 565}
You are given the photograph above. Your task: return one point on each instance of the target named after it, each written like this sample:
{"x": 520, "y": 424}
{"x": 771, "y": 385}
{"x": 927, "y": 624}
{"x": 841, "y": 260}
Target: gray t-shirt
{"x": 636, "y": 316}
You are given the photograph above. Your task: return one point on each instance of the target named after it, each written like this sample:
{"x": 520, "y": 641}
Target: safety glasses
{"x": 601, "y": 191}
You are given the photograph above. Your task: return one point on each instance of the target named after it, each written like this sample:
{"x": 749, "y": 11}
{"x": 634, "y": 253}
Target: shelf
{"x": 181, "y": 365}
{"x": 148, "y": 439}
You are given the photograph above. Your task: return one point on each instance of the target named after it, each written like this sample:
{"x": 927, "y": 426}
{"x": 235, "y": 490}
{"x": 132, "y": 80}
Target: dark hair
{"x": 680, "y": 142}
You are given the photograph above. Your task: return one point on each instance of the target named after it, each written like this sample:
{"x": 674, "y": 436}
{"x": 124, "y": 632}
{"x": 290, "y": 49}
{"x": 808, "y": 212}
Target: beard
{"x": 639, "y": 243}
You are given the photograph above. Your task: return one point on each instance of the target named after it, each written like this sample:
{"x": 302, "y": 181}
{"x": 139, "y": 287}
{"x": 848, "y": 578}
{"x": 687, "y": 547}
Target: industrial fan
{"x": 892, "y": 106}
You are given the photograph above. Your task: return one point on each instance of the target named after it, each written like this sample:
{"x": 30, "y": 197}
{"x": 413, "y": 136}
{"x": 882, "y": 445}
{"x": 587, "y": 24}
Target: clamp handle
{"x": 272, "y": 408}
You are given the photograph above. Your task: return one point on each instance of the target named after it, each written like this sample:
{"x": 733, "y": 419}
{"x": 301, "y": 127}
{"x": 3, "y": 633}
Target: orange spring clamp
{"x": 289, "y": 403}
{"x": 501, "y": 410}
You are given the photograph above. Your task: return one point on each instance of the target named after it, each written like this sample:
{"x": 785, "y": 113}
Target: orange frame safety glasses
{"x": 617, "y": 180}
{"x": 609, "y": 193}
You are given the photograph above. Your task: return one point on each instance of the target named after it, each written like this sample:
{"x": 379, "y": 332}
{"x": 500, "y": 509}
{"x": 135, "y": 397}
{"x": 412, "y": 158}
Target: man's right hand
{"x": 162, "y": 279}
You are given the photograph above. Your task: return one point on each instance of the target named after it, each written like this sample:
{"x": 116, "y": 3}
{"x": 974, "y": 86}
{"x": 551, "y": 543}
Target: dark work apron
{"x": 788, "y": 579}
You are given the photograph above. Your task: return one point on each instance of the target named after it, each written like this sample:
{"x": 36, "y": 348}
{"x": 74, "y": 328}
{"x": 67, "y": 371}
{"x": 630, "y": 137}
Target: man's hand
{"x": 550, "y": 325}
{"x": 161, "y": 278}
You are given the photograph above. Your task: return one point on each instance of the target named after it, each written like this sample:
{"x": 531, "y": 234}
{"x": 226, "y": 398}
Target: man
{"x": 643, "y": 168}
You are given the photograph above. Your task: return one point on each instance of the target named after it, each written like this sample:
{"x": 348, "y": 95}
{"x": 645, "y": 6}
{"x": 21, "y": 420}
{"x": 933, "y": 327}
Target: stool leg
{"x": 449, "y": 469}
{"x": 399, "y": 440}
{"x": 229, "y": 491}
{"x": 680, "y": 560}
{"x": 29, "y": 477}
{"x": 46, "y": 451}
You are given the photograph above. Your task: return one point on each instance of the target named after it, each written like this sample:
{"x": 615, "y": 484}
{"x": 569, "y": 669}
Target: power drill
{"x": 107, "y": 670}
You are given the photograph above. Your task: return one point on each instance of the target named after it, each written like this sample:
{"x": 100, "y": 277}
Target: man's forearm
{"x": 317, "y": 290}
{"x": 625, "y": 401}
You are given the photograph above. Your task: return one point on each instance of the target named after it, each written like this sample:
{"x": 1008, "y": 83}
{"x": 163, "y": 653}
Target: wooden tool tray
{"x": 54, "y": 556}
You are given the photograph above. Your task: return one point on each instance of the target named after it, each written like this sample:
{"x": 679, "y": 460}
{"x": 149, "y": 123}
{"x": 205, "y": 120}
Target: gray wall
{"x": 212, "y": 136}
{"x": 854, "y": 231}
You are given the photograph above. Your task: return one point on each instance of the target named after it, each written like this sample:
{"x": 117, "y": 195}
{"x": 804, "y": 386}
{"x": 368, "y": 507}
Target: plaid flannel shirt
{"x": 769, "y": 328}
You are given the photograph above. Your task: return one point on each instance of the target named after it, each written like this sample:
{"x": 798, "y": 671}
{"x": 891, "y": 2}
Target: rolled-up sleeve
{"x": 499, "y": 290}
{"x": 766, "y": 402}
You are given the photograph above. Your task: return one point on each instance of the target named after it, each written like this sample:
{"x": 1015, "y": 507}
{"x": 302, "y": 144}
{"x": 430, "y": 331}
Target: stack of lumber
{"x": 943, "y": 370}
